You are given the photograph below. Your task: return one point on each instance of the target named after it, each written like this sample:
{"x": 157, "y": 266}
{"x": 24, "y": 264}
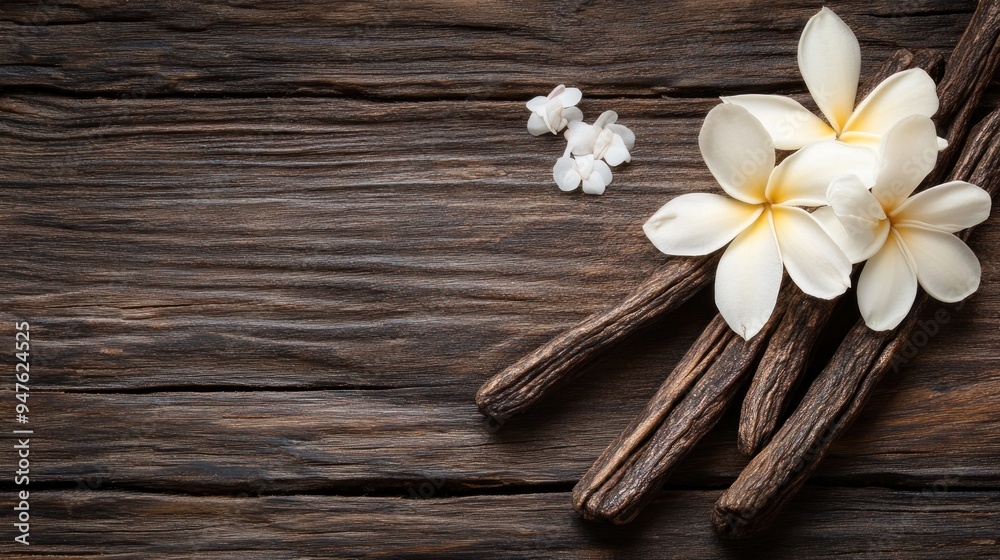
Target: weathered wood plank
{"x": 917, "y": 430}
{"x": 282, "y": 249}
{"x": 933, "y": 523}
{"x": 208, "y": 255}
{"x": 447, "y": 48}
{"x": 287, "y": 249}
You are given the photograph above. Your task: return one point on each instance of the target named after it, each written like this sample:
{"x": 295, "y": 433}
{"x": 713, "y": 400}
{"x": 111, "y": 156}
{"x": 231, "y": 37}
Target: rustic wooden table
{"x": 269, "y": 250}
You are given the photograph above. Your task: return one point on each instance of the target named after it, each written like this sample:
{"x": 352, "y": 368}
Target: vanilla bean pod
{"x": 837, "y": 396}
{"x": 537, "y": 374}
{"x": 685, "y": 408}
{"x": 787, "y": 355}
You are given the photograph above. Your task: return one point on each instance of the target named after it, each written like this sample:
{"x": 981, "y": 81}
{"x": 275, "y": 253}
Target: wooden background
{"x": 269, "y": 250}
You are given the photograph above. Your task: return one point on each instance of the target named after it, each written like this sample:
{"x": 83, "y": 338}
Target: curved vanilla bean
{"x": 837, "y": 396}
{"x": 534, "y": 376}
{"x": 968, "y": 71}
{"x": 685, "y": 408}
{"x": 782, "y": 365}
{"x": 787, "y": 355}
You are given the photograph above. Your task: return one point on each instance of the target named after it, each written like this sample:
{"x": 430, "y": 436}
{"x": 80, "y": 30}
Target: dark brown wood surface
{"x": 270, "y": 250}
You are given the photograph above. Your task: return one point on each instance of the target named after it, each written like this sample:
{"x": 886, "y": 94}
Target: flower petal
{"x": 536, "y": 125}
{"x": 908, "y": 153}
{"x": 580, "y": 136}
{"x": 565, "y": 174}
{"x": 887, "y": 286}
{"x": 617, "y": 153}
{"x": 628, "y": 137}
{"x": 803, "y": 178}
{"x": 910, "y": 92}
{"x": 594, "y": 185}
{"x": 748, "y": 278}
{"x": 858, "y": 244}
{"x": 830, "y": 63}
{"x": 863, "y": 224}
{"x": 553, "y": 115}
{"x": 861, "y": 139}
{"x": 947, "y": 269}
{"x": 738, "y": 151}
{"x": 699, "y": 223}
{"x": 949, "y": 207}
{"x": 790, "y": 125}
{"x": 606, "y": 118}
{"x": 816, "y": 264}
{"x": 536, "y": 103}
{"x": 602, "y": 169}
{"x": 849, "y": 197}
{"x": 570, "y": 96}
{"x": 572, "y": 114}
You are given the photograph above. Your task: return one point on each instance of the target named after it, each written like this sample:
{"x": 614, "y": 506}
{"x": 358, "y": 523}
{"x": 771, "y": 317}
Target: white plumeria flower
{"x": 569, "y": 172}
{"x": 830, "y": 63}
{"x": 553, "y": 112}
{"x": 908, "y": 239}
{"x": 768, "y": 231}
{"x": 604, "y": 139}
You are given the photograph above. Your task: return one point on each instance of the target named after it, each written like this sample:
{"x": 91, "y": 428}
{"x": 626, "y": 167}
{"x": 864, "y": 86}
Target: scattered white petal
{"x": 556, "y": 110}
{"x": 748, "y": 278}
{"x": 569, "y": 172}
{"x": 537, "y": 103}
{"x": 738, "y": 151}
{"x": 606, "y": 118}
{"x": 604, "y": 139}
{"x": 572, "y": 114}
{"x": 887, "y": 286}
{"x": 580, "y": 137}
{"x": 616, "y": 153}
{"x": 569, "y": 96}
{"x": 699, "y": 223}
{"x": 598, "y": 179}
{"x": 947, "y": 269}
{"x": 565, "y": 174}
{"x": 830, "y": 63}
{"x": 628, "y": 137}
{"x": 536, "y": 125}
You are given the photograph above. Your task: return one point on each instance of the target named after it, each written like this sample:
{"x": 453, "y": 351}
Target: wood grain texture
{"x": 445, "y": 48}
{"x": 557, "y": 362}
{"x": 931, "y": 524}
{"x": 270, "y": 250}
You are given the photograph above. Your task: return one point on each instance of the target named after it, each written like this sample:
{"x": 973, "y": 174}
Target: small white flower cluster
{"x": 591, "y": 150}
